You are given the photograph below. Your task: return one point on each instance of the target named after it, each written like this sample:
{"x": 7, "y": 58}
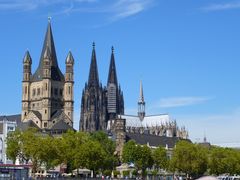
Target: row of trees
{"x": 74, "y": 149}
{"x": 96, "y": 152}
{"x": 191, "y": 159}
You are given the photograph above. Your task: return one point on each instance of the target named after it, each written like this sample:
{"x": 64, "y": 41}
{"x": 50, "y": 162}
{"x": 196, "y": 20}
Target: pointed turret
{"x": 141, "y": 103}
{"x": 141, "y": 97}
{"x": 112, "y": 75}
{"x": 93, "y": 80}
{"x": 69, "y": 59}
{"x": 49, "y": 47}
{"x": 27, "y": 58}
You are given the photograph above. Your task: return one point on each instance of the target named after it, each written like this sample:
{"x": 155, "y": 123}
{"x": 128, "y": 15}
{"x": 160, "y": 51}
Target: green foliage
{"x": 129, "y": 152}
{"x": 141, "y": 156}
{"x": 224, "y": 160}
{"x": 189, "y": 158}
{"x": 109, "y": 146}
{"x": 160, "y": 158}
{"x": 13, "y": 146}
{"x": 126, "y": 173}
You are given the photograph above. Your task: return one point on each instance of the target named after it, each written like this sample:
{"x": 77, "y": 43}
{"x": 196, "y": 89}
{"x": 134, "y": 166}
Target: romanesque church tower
{"x": 100, "y": 104}
{"x": 47, "y": 97}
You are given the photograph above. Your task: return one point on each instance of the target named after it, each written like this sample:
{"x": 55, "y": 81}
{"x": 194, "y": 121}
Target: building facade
{"x": 47, "y": 94}
{"x": 7, "y": 124}
{"x": 99, "y": 104}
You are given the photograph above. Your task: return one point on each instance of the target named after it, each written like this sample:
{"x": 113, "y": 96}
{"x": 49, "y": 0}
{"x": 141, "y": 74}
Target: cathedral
{"x": 47, "y": 101}
{"x": 47, "y": 96}
{"x": 100, "y": 104}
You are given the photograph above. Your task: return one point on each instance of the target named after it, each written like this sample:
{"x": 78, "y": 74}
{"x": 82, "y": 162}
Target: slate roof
{"x": 25, "y": 125}
{"x": 16, "y": 117}
{"x": 153, "y": 140}
{"x": 61, "y": 125}
{"x": 38, "y": 114}
{"x": 148, "y": 121}
{"x": 48, "y": 45}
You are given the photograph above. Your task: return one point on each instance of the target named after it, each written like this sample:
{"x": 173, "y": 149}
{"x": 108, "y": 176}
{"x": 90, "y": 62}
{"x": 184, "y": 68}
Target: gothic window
{"x": 55, "y": 91}
{"x": 45, "y": 124}
{"x": 61, "y": 92}
{"x": 45, "y": 111}
{"x": 69, "y": 90}
{"x": 46, "y": 87}
{"x": 38, "y": 91}
{"x": 25, "y": 114}
{"x": 34, "y": 92}
{"x": 25, "y": 89}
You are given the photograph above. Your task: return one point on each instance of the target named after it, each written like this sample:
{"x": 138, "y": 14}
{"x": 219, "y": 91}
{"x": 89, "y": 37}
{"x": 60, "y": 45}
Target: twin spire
{"x": 93, "y": 79}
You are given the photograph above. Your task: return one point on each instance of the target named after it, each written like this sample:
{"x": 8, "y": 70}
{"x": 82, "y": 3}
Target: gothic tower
{"x": 141, "y": 104}
{"x": 93, "y": 105}
{"x": 47, "y": 96}
{"x": 115, "y": 104}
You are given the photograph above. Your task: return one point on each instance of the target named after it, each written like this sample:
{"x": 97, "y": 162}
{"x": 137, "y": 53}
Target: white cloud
{"x": 125, "y": 8}
{"x": 224, "y": 6}
{"x": 116, "y": 10}
{"x": 182, "y": 101}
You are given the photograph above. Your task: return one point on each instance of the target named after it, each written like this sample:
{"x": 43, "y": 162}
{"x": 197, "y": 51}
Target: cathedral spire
{"x": 141, "y": 104}
{"x": 141, "y": 96}
{"x": 48, "y": 45}
{"x": 112, "y": 75}
{"x": 93, "y": 73}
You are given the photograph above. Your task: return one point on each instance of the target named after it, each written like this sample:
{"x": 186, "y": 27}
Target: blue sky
{"x": 186, "y": 52}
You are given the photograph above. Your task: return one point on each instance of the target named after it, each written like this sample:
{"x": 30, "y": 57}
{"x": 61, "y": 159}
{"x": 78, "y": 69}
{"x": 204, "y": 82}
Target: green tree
{"x": 90, "y": 155}
{"x": 109, "y": 146}
{"x": 160, "y": 158}
{"x": 13, "y": 146}
{"x": 141, "y": 156}
{"x": 224, "y": 160}
{"x": 129, "y": 152}
{"x": 189, "y": 158}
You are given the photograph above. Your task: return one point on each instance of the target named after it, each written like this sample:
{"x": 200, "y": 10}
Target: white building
{"x": 7, "y": 124}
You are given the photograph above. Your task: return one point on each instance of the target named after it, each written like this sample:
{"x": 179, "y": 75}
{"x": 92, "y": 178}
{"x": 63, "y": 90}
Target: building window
{"x": 34, "y": 92}
{"x": 61, "y": 92}
{"x": 55, "y": 91}
{"x": 69, "y": 90}
{"x": 46, "y": 86}
{"x": 38, "y": 91}
{"x": 45, "y": 124}
{"x": 25, "y": 89}
{"x": 36, "y": 122}
{"x": 45, "y": 111}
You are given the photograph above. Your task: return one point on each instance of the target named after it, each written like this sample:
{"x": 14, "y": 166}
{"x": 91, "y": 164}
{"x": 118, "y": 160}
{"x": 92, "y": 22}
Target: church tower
{"x": 27, "y": 63}
{"x": 115, "y": 104}
{"x": 141, "y": 104}
{"x": 45, "y": 100}
{"x": 93, "y": 105}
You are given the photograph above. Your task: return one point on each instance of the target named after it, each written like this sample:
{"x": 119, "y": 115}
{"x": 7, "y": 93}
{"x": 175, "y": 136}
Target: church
{"x": 47, "y": 94}
{"x": 47, "y": 102}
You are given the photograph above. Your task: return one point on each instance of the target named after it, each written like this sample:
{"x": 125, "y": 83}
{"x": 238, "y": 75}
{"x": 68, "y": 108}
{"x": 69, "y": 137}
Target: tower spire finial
{"x": 141, "y": 103}
{"x": 49, "y": 19}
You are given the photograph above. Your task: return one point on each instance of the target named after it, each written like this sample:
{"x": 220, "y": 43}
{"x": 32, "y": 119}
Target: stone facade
{"x": 99, "y": 104}
{"x": 47, "y": 94}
